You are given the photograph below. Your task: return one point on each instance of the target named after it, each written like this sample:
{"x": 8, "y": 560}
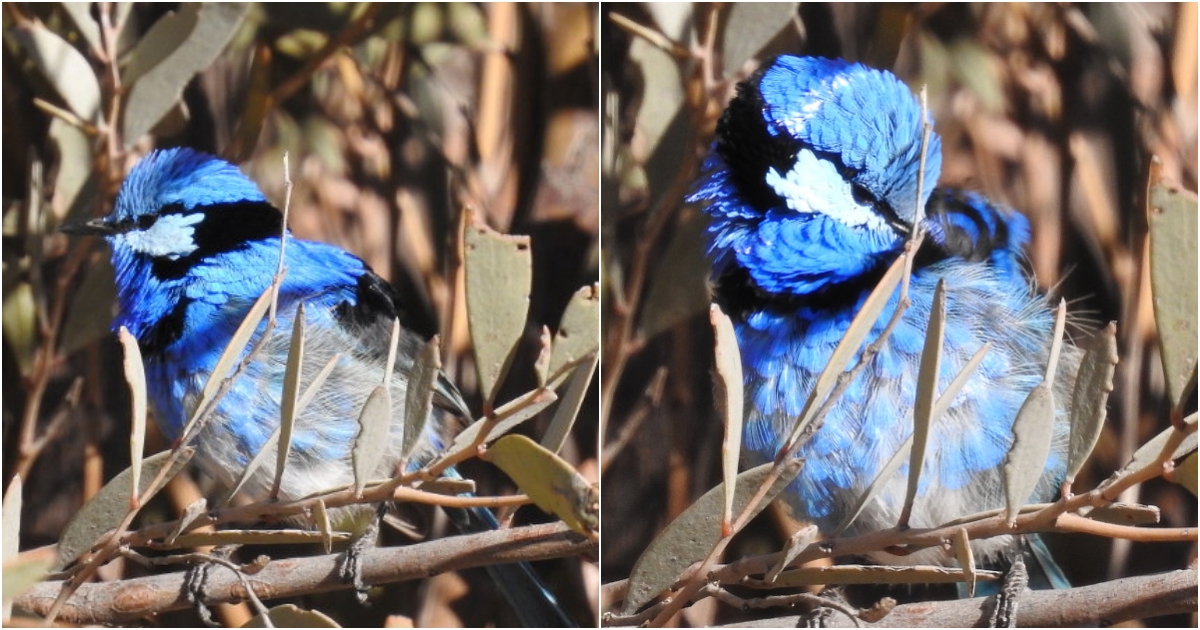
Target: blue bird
{"x": 194, "y": 244}
{"x": 811, "y": 188}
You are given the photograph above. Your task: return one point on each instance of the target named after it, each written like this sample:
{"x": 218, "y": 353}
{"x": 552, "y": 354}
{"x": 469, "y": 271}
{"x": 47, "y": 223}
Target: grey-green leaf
{"x": 108, "y": 508}
{"x": 751, "y": 25}
{"x": 1089, "y": 400}
{"x": 61, "y": 66}
{"x": 1026, "y": 460}
{"x": 499, "y": 274}
{"x": 292, "y": 616}
{"x": 578, "y": 335}
{"x": 679, "y": 287}
{"x": 927, "y": 380}
{"x": 374, "y": 422}
{"x": 1173, "y": 278}
{"x": 177, "y": 47}
{"x": 695, "y": 532}
{"x": 418, "y": 398}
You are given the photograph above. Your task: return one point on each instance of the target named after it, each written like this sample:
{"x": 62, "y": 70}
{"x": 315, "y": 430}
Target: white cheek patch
{"x": 172, "y": 236}
{"x": 814, "y": 186}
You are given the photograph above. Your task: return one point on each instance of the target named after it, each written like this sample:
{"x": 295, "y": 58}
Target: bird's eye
{"x": 862, "y": 196}
{"x": 145, "y": 221}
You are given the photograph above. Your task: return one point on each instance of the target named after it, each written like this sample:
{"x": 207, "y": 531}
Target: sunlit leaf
{"x": 292, "y": 616}
{"x": 549, "y": 481}
{"x": 729, "y": 401}
{"x": 1031, "y": 446}
{"x": 135, "y": 375}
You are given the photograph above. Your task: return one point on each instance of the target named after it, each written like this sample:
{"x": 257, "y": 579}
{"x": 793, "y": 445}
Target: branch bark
{"x": 1105, "y": 604}
{"x": 128, "y": 600}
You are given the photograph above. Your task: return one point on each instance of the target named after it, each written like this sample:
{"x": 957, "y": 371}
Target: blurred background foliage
{"x": 395, "y": 118}
{"x": 1054, "y": 109}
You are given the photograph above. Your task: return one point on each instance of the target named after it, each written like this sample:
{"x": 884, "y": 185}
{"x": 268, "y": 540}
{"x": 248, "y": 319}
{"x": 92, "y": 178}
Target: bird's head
{"x": 812, "y": 179}
{"x": 179, "y": 205}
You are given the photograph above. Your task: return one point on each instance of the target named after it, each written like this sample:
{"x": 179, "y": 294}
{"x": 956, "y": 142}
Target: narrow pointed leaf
{"x": 135, "y": 375}
{"x": 569, "y": 405}
{"x": 849, "y": 346}
{"x": 374, "y": 423}
{"x": 927, "y": 380}
{"x": 290, "y": 398}
{"x": 528, "y": 406}
{"x": 728, "y": 398}
{"x": 418, "y": 399}
{"x": 1089, "y": 400}
{"x": 235, "y": 347}
{"x": 889, "y": 469}
{"x": 1026, "y": 460}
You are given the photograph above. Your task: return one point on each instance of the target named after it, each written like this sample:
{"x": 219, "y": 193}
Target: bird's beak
{"x": 91, "y": 226}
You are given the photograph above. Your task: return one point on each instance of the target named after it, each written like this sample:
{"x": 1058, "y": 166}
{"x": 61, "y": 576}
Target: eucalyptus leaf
{"x": 549, "y": 481}
{"x": 527, "y": 407}
{"x": 289, "y": 400}
{"x": 89, "y": 317}
{"x": 499, "y": 274}
{"x": 1026, "y": 459}
{"x": 849, "y": 346}
{"x": 578, "y": 334}
{"x": 568, "y": 409}
{"x": 750, "y": 27}
{"x": 12, "y": 518}
{"x": 374, "y": 423}
{"x": 729, "y": 399}
{"x": 927, "y": 380}
{"x": 19, "y": 323}
{"x": 135, "y": 375}
{"x": 291, "y": 616}
{"x": 1173, "y": 278}
{"x": 678, "y": 288}
{"x": 165, "y": 60}
{"x": 108, "y": 508}
{"x": 695, "y": 532}
{"x": 418, "y": 398}
{"x": 61, "y": 66}
{"x": 1089, "y": 400}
